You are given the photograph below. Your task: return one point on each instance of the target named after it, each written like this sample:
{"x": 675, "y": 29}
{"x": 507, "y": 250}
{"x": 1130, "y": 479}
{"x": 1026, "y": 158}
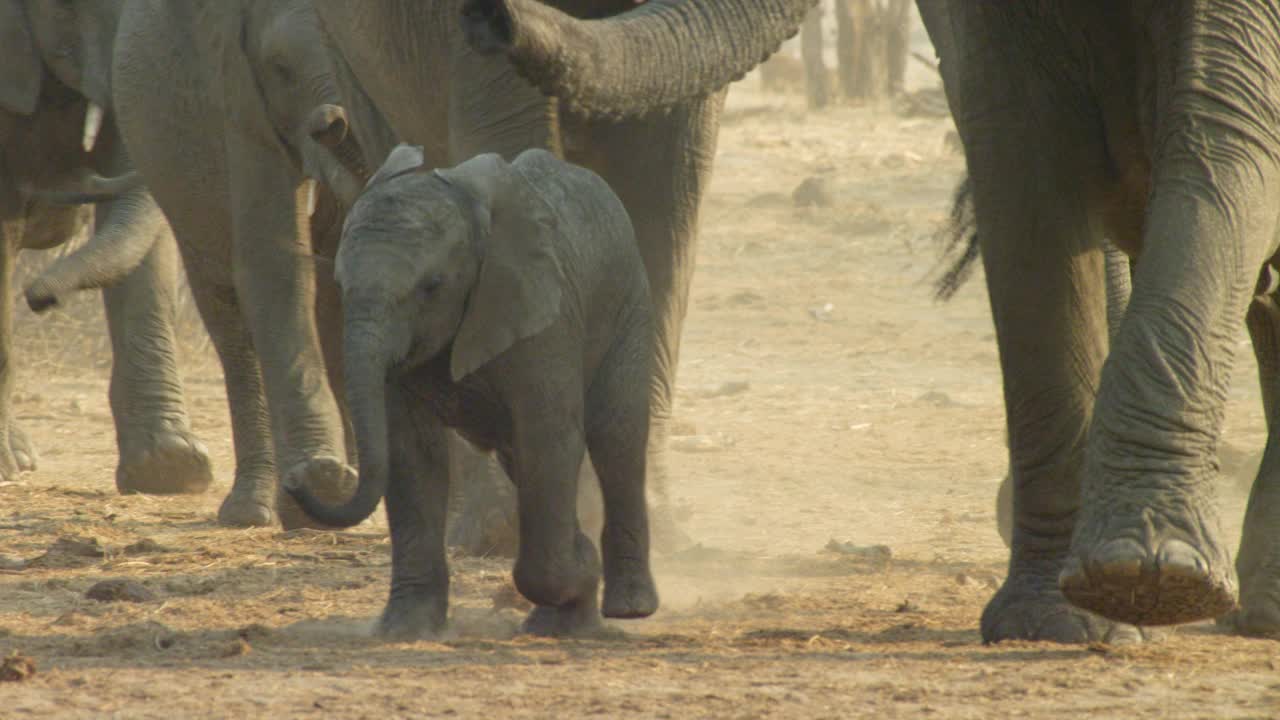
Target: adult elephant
{"x": 408, "y": 72}
{"x": 225, "y": 149}
{"x": 1154, "y": 126}
{"x": 57, "y": 128}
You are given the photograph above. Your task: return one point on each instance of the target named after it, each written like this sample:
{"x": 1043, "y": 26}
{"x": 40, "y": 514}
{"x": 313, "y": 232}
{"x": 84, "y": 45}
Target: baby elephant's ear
{"x": 402, "y": 159}
{"x": 517, "y": 293}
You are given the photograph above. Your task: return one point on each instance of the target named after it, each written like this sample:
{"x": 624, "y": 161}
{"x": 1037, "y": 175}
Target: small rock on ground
{"x": 120, "y": 591}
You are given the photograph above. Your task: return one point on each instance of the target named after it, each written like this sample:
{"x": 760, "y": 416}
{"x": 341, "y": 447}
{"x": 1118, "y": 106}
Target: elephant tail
{"x": 959, "y": 238}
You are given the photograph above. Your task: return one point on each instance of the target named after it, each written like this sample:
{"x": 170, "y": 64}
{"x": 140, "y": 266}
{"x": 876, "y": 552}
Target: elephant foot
{"x": 581, "y": 619}
{"x": 170, "y": 463}
{"x": 17, "y": 456}
{"x": 246, "y": 508}
{"x": 330, "y": 479}
{"x": 631, "y": 595}
{"x": 1030, "y": 607}
{"x": 1147, "y": 567}
{"x": 23, "y": 450}
{"x": 411, "y": 617}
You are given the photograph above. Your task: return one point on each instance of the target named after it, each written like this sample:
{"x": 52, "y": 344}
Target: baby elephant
{"x": 508, "y": 302}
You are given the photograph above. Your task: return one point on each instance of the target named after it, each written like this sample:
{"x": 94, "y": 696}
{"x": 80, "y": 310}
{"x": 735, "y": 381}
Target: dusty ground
{"x": 824, "y": 396}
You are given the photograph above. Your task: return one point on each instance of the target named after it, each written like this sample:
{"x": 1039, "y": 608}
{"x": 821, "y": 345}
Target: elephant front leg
{"x": 416, "y": 502}
{"x": 1258, "y": 562}
{"x": 276, "y": 286}
{"x": 558, "y": 568}
{"x": 158, "y": 451}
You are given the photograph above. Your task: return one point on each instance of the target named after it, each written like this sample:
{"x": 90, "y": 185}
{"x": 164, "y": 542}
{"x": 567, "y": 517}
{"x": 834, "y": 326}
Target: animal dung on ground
{"x": 16, "y": 667}
{"x": 120, "y": 591}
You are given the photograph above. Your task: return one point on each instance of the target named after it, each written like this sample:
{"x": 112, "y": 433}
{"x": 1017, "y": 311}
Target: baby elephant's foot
{"x": 327, "y": 477}
{"x": 630, "y": 596}
{"x": 1030, "y": 607}
{"x": 1150, "y": 567}
{"x": 410, "y": 617}
{"x": 166, "y": 463}
{"x": 580, "y": 619}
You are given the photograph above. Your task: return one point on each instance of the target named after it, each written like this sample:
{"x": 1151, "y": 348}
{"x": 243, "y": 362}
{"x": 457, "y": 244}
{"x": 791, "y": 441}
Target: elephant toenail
{"x": 1120, "y": 559}
{"x": 1179, "y": 558}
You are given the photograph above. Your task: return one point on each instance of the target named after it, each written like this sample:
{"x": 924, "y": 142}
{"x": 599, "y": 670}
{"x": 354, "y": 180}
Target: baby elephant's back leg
{"x": 617, "y": 427}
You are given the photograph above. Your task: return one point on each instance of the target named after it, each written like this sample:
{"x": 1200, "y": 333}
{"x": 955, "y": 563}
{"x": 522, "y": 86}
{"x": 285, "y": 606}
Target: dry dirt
{"x": 823, "y": 396}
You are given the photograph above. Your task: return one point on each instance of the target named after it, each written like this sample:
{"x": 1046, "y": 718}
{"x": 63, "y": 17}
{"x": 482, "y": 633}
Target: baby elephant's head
{"x": 458, "y": 260}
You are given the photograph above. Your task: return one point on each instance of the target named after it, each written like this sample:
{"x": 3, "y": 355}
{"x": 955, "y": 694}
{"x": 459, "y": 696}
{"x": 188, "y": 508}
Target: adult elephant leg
{"x": 252, "y": 500}
{"x": 1147, "y": 546}
{"x": 1118, "y": 290}
{"x": 1258, "y": 562}
{"x": 1045, "y": 276}
{"x": 275, "y": 283}
{"x": 11, "y": 232}
{"x": 659, "y": 166}
{"x": 326, "y": 231}
{"x": 158, "y": 451}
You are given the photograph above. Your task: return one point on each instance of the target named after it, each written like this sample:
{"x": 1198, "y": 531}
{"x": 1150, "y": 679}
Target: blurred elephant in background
{"x": 410, "y": 72}
{"x": 58, "y": 129}
{"x": 225, "y": 148}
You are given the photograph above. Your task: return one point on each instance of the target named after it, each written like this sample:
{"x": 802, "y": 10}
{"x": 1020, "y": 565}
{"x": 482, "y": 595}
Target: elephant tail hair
{"x": 959, "y": 238}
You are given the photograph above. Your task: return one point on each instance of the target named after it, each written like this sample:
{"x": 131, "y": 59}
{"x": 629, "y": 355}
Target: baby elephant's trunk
{"x": 365, "y": 376}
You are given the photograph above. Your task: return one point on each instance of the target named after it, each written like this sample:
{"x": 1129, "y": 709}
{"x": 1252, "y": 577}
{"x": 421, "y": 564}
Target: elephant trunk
{"x": 659, "y": 54}
{"x": 118, "y": 246}
{"x": 365, "y": 378}
{"x": 328, "y": 127}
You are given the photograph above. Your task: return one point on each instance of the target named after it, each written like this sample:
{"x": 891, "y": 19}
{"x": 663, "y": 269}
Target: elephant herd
{"x": 361, "y": 304}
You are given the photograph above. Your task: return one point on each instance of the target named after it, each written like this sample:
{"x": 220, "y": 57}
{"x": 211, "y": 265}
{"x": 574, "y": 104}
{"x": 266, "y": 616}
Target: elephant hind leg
{"x": 617, "y": 435}
{"x": 158, "y": 451}
{"x": 1044, "y": 268}
{"x": 251, "y": 502}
